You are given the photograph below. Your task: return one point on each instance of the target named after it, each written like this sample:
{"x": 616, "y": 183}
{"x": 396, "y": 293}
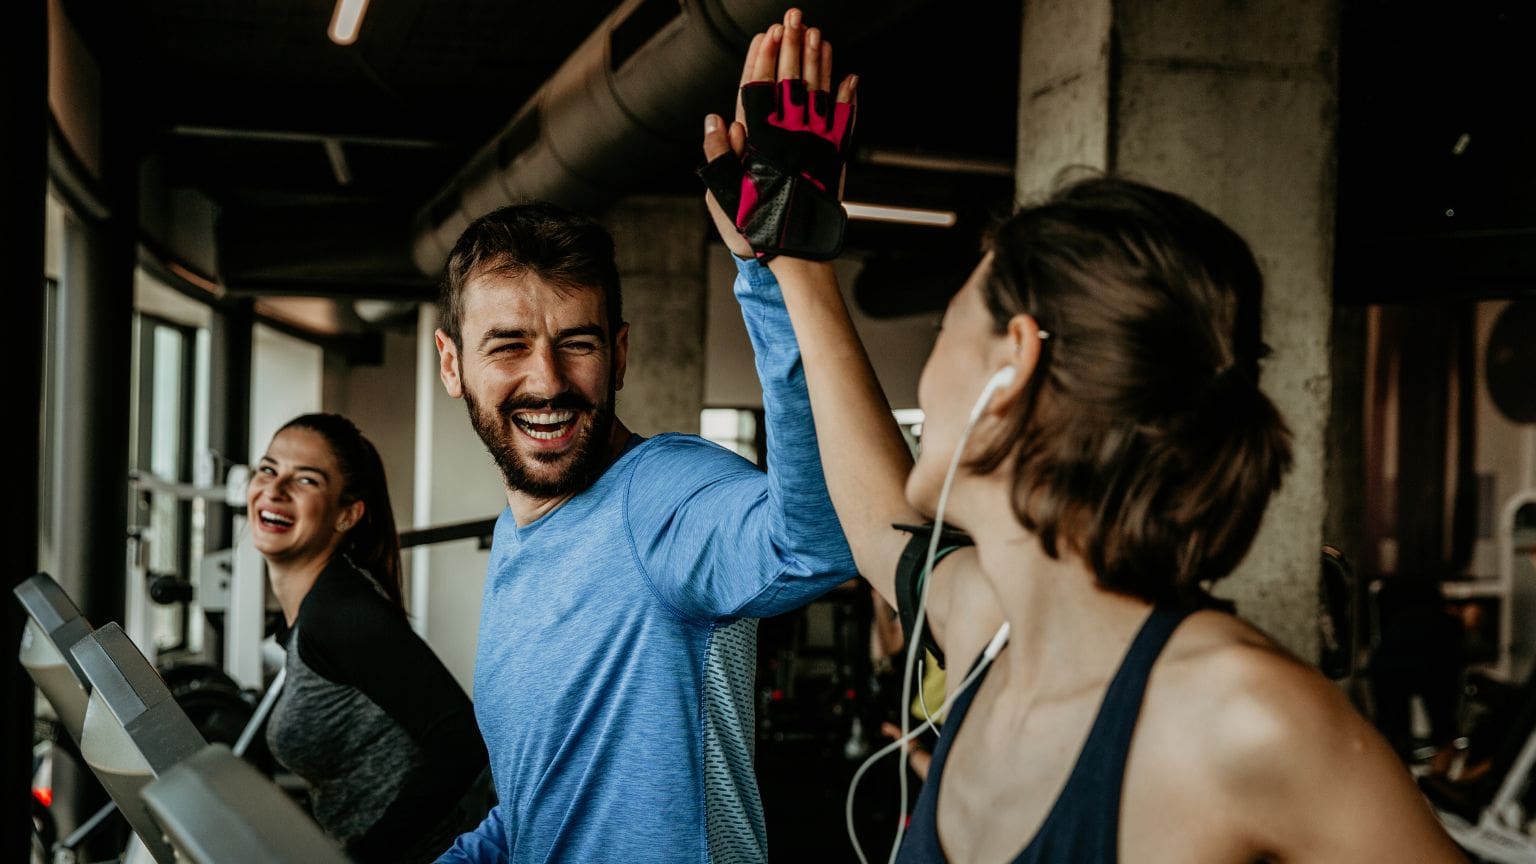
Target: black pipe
{"x": 479, "y": 529}
{"x": 23, "y": 190}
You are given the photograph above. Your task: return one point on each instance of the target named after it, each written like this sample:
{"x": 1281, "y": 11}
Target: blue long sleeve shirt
{"x": 614, "y": 675}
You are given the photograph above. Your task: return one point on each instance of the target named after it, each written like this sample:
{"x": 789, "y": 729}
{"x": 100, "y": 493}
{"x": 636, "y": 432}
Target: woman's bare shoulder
{"x": 1296, "y": 765}
{"x": 1249, "y": 693}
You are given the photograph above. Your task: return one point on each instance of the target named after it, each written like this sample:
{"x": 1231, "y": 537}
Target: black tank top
{"x": 1083, "y": 826}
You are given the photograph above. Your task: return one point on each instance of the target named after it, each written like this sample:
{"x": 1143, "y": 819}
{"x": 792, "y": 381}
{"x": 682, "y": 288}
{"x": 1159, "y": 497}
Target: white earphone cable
{"x": 1000, "y": 379}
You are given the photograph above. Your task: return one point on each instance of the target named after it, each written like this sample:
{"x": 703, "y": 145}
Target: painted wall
{"x": 286, "y": 375}
{"x": 383, "y": 405}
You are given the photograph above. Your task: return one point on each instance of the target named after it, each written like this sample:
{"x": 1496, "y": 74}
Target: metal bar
{"x": 479, "y": 528}
{"x": 338, "y": 160}
{"x": 88, "y": 827}
{"x": 262, "y": 710}
{"x": 181, "y": 491}
{"x": 305, "y": 137}
{"x": 938, "y": 162}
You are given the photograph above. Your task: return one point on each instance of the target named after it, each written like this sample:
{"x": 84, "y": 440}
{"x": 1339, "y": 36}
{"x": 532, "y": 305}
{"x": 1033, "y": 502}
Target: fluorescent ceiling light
{"x": 904, "y": 215}
{"x": 347, "y": 20}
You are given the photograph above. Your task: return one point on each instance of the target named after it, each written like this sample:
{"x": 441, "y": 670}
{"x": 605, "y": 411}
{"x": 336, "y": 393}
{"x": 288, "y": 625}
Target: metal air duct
{"x": 630, "y": 98}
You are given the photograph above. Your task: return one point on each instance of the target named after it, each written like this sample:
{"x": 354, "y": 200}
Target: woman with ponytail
{"x": 369, "y": 717}
{"x": 1093, "y": 422}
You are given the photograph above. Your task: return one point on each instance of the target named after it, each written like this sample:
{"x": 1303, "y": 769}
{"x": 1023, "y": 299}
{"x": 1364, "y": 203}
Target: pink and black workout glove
{"x": 783, "y": 192}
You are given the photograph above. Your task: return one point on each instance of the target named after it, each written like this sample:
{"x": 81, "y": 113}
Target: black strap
{"x": 910, "y": 576}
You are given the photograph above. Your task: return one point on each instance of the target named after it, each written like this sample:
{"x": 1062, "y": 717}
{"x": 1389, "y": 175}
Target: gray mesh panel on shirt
{"x": 733, "y": 810}
{"x": 352, "y": 754}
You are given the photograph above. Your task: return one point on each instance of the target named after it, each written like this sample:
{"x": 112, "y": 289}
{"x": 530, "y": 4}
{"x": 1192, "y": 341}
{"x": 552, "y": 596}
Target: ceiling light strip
{"x": 902, "y": 215}
{"x": 347, "y": 20}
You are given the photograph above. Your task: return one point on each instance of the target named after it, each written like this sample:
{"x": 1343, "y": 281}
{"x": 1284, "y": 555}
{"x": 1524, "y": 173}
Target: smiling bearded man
{"x": 614, "y": 674}
{"x": 545, "y": 420}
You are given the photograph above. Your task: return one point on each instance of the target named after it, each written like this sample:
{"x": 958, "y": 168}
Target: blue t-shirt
{"x": 614, "y": 676}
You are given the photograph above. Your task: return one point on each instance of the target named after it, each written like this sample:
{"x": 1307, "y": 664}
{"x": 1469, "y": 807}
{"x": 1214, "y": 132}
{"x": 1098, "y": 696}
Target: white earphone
{"x": 1000, "y": 379}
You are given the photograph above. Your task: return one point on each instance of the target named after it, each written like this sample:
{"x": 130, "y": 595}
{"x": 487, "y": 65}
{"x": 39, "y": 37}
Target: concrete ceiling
{"x": 290, "y": 135}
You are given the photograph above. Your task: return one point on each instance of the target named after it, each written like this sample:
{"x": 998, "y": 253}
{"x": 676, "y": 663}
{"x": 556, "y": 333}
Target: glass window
{"x": 735, "y": 429}
{"x": 162, "y": 446}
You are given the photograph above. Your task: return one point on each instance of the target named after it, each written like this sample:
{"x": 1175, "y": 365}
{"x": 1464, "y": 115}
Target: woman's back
{"x": 362, "y": 718}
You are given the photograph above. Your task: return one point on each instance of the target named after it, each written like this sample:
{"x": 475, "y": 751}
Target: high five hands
{"x": 775, "y": 173}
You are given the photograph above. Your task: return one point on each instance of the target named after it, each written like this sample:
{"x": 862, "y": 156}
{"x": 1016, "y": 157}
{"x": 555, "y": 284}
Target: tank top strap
{"x": 1084, "y": 823}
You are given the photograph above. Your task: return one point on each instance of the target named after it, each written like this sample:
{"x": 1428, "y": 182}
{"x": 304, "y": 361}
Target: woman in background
{"x": 369, "y": 717}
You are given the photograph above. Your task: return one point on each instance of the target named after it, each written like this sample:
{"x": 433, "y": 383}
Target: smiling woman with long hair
{"x": 369, "y": 717}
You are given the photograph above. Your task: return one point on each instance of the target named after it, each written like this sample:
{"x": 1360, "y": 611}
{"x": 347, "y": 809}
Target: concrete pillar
{"x": 660, "y": 244}
{"x": 1234, "y": 106}
{"x": 23, "y": 181}
{"x": 229, "y": 404}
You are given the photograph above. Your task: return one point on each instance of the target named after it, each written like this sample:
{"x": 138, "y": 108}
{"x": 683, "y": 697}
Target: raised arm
{"x": 863, "y": 454}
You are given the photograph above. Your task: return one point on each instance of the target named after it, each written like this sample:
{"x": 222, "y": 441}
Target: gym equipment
{"x": 229, "y": 582}
{"x": 216, "y": 809}
{"x": 1509, "y": 358}
{"x": 219, "y": 708}
{"x": 1337, "y": 634}
{"x": 54, "y": 625}
{"x": 1488, "y": 817}
{"x": 133, "y": 729}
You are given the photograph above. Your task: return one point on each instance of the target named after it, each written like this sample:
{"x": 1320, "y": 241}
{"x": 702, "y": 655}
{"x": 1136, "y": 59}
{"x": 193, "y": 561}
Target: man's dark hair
{"x": 1143, "y": 443}
{"x": 563, "y": 248}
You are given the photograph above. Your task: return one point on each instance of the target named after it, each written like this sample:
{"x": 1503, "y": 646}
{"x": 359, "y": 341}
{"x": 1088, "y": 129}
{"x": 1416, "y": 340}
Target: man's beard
{"x": 587, "y": 457}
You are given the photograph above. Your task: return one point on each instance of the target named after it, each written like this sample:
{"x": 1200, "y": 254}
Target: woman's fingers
{"x": 738, "y": 135}
{"x": 848, "y": 91}
{"x": 749, "y": 68}
{"x": 716, "y": 139}
{"x": 767, "y": 60}
{"x": 790, "y": 49}
{"x": 815, "y": 49}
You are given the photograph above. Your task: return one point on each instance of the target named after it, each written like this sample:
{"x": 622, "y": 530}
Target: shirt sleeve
{"x": 718, "y": 538}
{"x": 484, "y": 845}
{"x": 361, "y": 640}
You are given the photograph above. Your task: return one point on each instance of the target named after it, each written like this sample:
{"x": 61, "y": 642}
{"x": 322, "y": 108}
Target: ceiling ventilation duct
{"x": 626, "y": 100}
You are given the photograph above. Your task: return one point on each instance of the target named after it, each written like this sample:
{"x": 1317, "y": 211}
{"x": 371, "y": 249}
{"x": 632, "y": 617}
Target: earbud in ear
{"x": 1002, "y": 378}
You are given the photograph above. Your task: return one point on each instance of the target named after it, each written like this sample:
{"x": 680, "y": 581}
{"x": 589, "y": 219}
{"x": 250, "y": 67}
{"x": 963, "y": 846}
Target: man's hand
{"x": 775, "y": 173}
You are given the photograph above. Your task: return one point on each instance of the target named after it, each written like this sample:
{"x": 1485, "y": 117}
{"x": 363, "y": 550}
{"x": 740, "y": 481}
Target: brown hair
{"x": 373, "y": 543}
{"x": 563, "y": 248}
{"x": 1143, "y": 443}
